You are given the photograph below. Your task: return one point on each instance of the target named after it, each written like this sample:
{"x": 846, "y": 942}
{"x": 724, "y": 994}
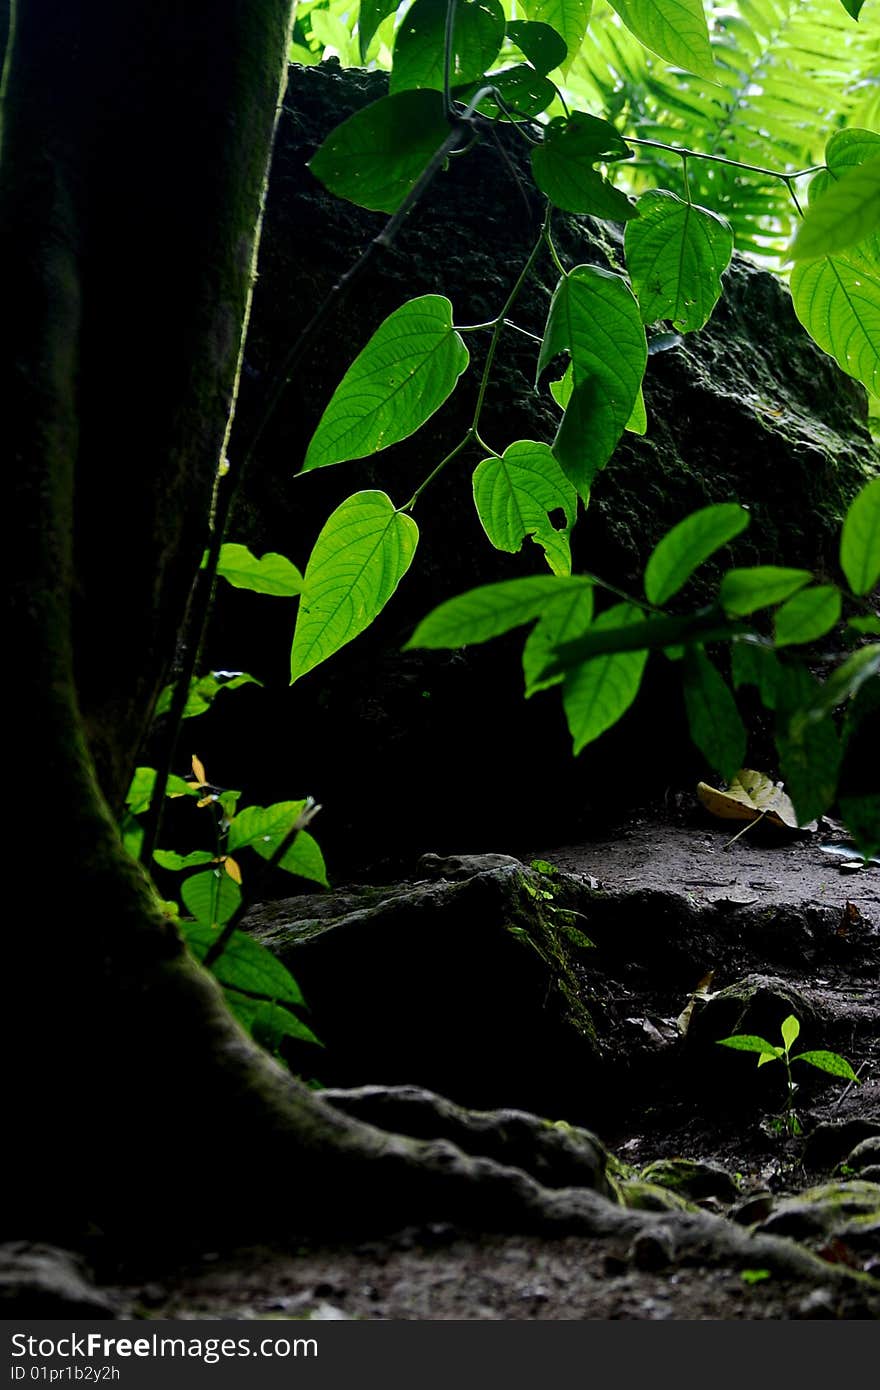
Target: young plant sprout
{"x": 790, "y": 1028}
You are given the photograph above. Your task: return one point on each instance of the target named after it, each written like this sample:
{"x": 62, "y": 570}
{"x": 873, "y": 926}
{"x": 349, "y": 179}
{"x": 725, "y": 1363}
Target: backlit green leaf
{"x": 407, "y": 370}
{"x": 211, "y": 897}
{"x": 263, "y": 829}
{"x": 676, "y": 254}
{"x": 565, "y": 619}
{"x": 244, "y": 964}
{"x": 515, "y": 495}
{"x": 676, "y": 29}
{"x": 370, "y": 16}
{"x": 563, "y": 166}
{"x": 749, "y": 1042}
{"x": 595, "y": 318}
{"x": 271, "y": 574}
{"x": 655, "y": 633}
{"x": 568, "y": 17}
{"x": 753, "y": 662}
{"x": 790, "y": 1029}
{"x": 359, "y": 558}
{"x": 839, "y": 305}
{"x": 713, "y": 718}
{"x": 847, "y": 212}
{"x": 270, "y": 1024}
{"x": 542, "y": 45}
{"x": 810, "y": 614}
{"x": 841, "y": 685}
{"x": 374, "y": 158}
{"x": 831, "y": 1062}
{"x": 419, "y": 49}
{"x": 596, "y": 694}
{"x": 688, "y": 544}
{"x": 167, "y": 859}
{"x": 492, "y": 609}
{"x": 861, "y": 815}
{"x": 809, "y": 748}
{"x": 860, "y": 540}
{"x": 744, "y": 591}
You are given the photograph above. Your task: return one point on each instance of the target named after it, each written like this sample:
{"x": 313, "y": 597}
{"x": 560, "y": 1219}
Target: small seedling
{"x": 831, "y": 1062}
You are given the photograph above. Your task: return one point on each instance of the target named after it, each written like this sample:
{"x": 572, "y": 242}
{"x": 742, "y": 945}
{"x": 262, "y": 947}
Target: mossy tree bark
{"x": 135, "y": 144}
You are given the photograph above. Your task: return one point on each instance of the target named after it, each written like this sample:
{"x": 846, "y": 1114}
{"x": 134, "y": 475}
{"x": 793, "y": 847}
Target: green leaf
{"x": 563, "y": 166}
{"x": 790, "y": 1029}
{"x": 688, "y": 544}
{"x": 263, "y": 829}
{"x": 404, "y": 374}
{"x": 810, "y": 614}
{"x": 676, "y": 254}
{"x": 566, "y": 618}
{"x": 272, "y": 574}
{"x": 839, "y": 305}
{"x": 596, "y": 694}
{"x": 831, "y": 1062}
{"x": 860, "y": 540}
{"x": 141, "y": 790}
{"x": 847, "y": 212}
{"x": 524, "y": 93}
{"x": 595, "y": 318}
{"x": 203, "y": 690}
{"x": 809, "y": 749}
{"x": 752, "y": 662}
{"x": 744, "y": 591}
{"x": 850, "y": 147}
{"x": 713, "y": 718}
{"x": 211, "y": 897}
{"x": 861, "y": 816}
{"x": 370, "y": 16}
{"x": 749, "y": 1042}
{"x": 244, "y": 964}
{"x": 514, "y": 496}
{"x": 492, "y": 609}
{"x": 374, "y": 158}
{"x": 542, "y": 45}
{"x": 271, "y": 1024}
{"x": 167, "y": 859}
{"x": 675, "y": 29}
{"x": 841, "y": 685}
{"x": 638, "y": 421}
{"x": 360, "y": 557}
{"x": 419, "y": 48}
{"x": 852, "y": 7}
{"x": 568, "y": 17}
{"x": 867, "y": 626}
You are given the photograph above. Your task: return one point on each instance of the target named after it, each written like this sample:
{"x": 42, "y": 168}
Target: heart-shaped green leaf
{"x": 676, "y": 254}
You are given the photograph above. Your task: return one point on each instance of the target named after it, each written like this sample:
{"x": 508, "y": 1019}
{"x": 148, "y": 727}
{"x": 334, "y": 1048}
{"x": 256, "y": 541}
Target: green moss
{"x": 538, "y": 921}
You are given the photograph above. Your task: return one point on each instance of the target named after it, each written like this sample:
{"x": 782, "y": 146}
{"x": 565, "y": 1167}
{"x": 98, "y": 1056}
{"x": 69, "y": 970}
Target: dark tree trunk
{"x": 135, "y": 146}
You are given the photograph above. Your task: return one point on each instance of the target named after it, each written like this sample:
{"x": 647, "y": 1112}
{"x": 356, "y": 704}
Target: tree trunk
{"x": 135, "y": 143}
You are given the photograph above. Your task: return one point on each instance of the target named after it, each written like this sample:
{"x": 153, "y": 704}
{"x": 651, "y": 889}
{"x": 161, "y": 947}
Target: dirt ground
{"x": 825, "y": 946}
{"x": 441, "y": 1273}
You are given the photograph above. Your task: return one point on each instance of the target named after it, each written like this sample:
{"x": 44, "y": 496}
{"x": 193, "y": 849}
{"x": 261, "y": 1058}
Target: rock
{"x": 468, "y": 988}
{"x": 754, "y": 1209}
{"x": 757, "y": 1005}
{"x": 43, "y": 1281}
{"x": 651, "y": 1250}
{"x": 692, "y": 1179}
{"x": 458, "y": 866}
{"x": 441, "y": 746}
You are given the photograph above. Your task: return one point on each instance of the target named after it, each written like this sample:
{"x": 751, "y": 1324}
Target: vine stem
{"x": 496, "y": 325}
{"x": 685, "y": 154}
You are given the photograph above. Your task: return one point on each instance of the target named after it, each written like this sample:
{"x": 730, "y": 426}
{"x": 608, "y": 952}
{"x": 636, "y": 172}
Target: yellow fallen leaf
{"x": 752, "y": 796}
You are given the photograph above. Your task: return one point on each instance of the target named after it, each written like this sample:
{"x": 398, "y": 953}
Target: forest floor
{"x": 439, "y": 1272}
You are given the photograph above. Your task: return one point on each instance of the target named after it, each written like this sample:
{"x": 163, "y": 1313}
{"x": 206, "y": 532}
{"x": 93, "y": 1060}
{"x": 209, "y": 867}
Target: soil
{"x": 439, "y": 1272}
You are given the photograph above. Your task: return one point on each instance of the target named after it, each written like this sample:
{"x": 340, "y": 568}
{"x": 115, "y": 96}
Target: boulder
{"x": 415, "y": 750}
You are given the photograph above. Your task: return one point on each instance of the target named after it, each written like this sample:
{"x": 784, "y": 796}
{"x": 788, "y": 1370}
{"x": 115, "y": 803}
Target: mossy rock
{"x": 650, "y": 1196}
{"x": 692, "y": 1179}
{"x": 849, "y": 1211}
